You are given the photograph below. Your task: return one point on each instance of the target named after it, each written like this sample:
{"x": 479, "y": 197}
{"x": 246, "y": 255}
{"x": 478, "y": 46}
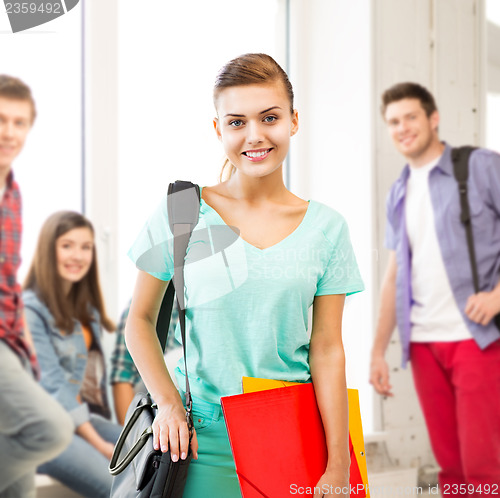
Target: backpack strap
{"x": 460, "y": 158}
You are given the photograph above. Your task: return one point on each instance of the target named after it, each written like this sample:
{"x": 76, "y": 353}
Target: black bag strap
{"x": 115, "y": 466}
{"x": 182, "y": 209}
{"x": 164, "y": 315}
{"x": 460, "y": 158}
{"x": 183, "y": 206}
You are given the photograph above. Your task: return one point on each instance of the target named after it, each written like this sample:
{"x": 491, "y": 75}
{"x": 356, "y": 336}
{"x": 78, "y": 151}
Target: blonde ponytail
{"x": 227, "y": 170}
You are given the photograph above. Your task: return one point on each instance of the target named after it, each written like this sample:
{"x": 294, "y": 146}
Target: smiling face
{"x": 413, "y": 133}
{"x": 74, "y": 254}
{"x": 15, "y": 122}
{"x": 254, "y": 124}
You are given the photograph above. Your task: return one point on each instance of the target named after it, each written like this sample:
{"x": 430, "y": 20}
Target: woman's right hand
{"x": 170, "y": 430}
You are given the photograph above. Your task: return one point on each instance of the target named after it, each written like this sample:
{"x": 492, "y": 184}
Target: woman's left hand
{"x": 334, "y": 482}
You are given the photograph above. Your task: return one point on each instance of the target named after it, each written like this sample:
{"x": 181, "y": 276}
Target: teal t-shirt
{"x": 247, "y": 308}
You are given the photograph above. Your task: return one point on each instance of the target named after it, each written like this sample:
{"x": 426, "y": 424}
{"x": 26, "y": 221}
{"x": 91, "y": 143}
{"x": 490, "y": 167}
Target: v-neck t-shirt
{"x": 247, "y": 308}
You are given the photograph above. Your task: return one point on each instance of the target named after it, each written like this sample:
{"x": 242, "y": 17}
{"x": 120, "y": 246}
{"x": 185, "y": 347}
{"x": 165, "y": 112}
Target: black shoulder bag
{"x": 143, "y": 471}
{"x": 460, "y": 158}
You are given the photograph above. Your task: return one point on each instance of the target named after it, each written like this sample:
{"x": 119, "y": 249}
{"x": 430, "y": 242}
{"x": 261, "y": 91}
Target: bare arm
{"x": 379, "y": 370}
{"x": 87, "y": 432}
{"x": 169, "y": 427}
{"x": 327, "y": 361}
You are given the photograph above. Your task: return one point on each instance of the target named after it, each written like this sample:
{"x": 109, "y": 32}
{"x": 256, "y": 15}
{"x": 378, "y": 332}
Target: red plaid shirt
{"x": 11, "y": 304}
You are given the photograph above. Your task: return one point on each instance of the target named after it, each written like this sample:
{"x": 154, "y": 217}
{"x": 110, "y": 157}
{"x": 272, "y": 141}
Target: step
{"x": 395, "y": 483}
{"x": 46, "y": 487}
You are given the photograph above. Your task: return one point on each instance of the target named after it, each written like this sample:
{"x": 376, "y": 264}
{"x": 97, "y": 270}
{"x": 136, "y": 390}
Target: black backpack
{"x": 460, "y": 158}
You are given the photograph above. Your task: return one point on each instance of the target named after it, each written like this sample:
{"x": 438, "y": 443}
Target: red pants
{"x": 458, "y": 386}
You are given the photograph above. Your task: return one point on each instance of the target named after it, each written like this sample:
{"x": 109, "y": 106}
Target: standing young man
{"x": 33, "y": 426}
{"x": 446, "y": 330}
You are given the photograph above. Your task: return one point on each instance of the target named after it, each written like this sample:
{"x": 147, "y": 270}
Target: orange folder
{"x": 278, "y": 441}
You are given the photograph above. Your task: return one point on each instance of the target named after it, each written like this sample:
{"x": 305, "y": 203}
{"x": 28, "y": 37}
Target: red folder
{"x": 278, "y": 443}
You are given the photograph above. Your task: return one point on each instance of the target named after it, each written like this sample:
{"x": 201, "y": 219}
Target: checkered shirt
{"x": 123, "y": 368}
{"x": 11, "y": 304}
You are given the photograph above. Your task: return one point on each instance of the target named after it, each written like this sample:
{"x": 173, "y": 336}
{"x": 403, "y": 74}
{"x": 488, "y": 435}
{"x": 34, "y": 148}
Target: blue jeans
{"x": 214, "y": 473}
{"x": 81, "y": 467}
{"x": 34, "y": 427}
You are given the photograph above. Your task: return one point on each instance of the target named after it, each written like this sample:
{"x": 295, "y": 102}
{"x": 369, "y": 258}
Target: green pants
{"x": 213, "y": 474}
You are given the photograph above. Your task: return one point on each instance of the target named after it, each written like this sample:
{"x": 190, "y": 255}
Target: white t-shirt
{"x": 434, "y": 313}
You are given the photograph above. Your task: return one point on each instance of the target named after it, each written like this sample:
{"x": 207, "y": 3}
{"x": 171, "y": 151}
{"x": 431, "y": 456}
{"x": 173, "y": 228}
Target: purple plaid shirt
{"x": 484, "y": 200}
{"x": 11, "y": 304}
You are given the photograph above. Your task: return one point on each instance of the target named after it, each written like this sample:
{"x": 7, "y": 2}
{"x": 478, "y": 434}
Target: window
{"x": 169, "y": 54}
{"x": 493, "y": 11}
{"x": 48, "y": 170}
{"x": 493, "y": 75}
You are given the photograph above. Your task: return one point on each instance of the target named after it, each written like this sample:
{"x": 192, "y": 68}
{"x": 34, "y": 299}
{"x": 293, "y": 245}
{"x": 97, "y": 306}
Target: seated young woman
{"x": 65, "y": 313}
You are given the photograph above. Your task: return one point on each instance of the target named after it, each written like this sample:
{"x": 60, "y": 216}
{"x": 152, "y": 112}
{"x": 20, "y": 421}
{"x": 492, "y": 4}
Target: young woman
{"x": 65, "y": 311}
{"x": 247, "y": 309}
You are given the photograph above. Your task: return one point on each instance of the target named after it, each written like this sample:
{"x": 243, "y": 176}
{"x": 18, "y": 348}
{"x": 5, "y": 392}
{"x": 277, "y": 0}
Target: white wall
{"x": 331, "y": 158}
{"x": 493, "y": 75}
{"x": 402, "y": 52}
{"x": 101, "y": 132}
{"x": 493, "y": 50}
{"x": 440, "y": 45}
